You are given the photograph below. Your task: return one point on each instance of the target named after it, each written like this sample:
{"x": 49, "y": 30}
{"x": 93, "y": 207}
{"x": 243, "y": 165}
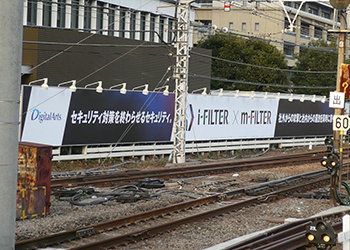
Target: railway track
{"x": 239, "y": 204}
{"x": 238, "y": 198}
{"x": 288, "y": 236}
{"x": 185, "y": 172}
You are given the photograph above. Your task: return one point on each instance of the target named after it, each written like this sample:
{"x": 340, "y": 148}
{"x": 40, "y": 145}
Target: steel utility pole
{"x": 181, "y": 79}
{"x": 340, "y": 5}
{"x": 338, "y": 135}
{"x": 11, "y": 19}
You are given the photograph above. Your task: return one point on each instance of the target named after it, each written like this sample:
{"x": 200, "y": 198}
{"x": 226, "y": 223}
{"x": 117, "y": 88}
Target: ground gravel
{"x": 209, "y": 232}
{"x": 198, "y": 235}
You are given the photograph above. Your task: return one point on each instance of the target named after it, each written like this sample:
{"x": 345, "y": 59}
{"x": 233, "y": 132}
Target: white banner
{"x": 215, "y": 118}
{"x": 46, "y": 116}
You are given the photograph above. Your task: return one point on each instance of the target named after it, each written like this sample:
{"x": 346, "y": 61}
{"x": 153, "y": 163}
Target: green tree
{"x": 319, "y": 56}
{"x": 242, "y": 51}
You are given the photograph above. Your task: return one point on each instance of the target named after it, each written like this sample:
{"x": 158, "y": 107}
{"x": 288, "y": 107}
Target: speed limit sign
{"x": 341, "y": 122}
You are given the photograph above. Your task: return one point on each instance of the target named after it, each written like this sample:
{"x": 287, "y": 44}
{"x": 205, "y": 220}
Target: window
{"x": 61, "y": 14}
{"x": 286, "y": 23}
{"x": 132, "y": 25}
{"x": 31, "y": 15}
{"x": 244, "y": 26}
{"x": 297, "y": 5}
{"x": 87, "y": 15}
{"x": 288, "y": 49}
{"x": 304, "y": 29}
{"x": 99, "y": 21}
{"x": 256, "y": 27}
{"x": 170, "y": 30}
{"x": 47, "y": 9}
{"x": 122, "y": 17}
{"x": 313, "y": 10}
{"x": 111, "y": 20}
{"x": 318, "y": 32}
{"x": 75, "y": 14}
{"x": 245, "y": 3}
{"x": 152, "y": 28}
{"x": 161, "y": 27}
{"x": 230, "y": 26}
{"x": 326, "y": 14}
{"x": 143, "y": 26}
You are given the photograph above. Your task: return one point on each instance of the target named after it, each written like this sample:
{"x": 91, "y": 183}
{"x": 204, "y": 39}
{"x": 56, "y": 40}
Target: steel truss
{"x": 181, "y": 80}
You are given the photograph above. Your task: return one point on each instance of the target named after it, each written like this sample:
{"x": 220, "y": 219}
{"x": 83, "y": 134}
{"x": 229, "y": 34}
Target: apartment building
{"x": 288, "y": 26}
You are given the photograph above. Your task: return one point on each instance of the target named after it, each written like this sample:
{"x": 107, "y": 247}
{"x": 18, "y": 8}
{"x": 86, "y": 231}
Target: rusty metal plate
{"x": 34, "y": 171}
{"x": 31, "y": 202}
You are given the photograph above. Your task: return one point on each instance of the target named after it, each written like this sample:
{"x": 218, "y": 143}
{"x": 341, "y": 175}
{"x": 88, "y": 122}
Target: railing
{"x": 161, "y": 149}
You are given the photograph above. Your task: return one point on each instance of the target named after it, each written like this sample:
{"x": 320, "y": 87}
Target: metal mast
{"x": 181, "y": 79}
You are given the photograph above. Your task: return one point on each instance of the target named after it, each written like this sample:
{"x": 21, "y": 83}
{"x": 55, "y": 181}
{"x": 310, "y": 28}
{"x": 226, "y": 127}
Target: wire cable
{"x": 143, "y": 107}
{"x": 70, "y": 47}
{"x": 264, "y": 67}
{"x": 95, "y": 44}
{"x": 261, "y": 84}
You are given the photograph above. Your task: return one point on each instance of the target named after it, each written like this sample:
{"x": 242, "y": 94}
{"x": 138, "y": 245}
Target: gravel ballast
{"x": 198, "y": 235}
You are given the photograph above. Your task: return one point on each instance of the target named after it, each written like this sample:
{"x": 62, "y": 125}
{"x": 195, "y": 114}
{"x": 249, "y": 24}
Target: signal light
{"x": 324, "y": 161}
{"x": 310, "y": 237}
{"x": 329, "y": 143}
{"x": 326, "y": 238}
{"x": 321, "y": 226}
{"x": 331, "y": 162}
{"x": 321, "y": 234}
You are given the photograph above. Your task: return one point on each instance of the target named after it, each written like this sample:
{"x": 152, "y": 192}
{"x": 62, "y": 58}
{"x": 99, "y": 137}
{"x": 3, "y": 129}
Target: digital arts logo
{"x": 45, "y": 116}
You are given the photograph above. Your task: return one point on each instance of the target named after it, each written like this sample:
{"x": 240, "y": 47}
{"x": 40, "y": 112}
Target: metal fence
{"x": 162, "y": 149}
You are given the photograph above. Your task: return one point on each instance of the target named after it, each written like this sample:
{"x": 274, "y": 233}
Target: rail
{"x": 284, "y": 186}
{"x": 86, "y": 179}
{"x": 166, "y": 148}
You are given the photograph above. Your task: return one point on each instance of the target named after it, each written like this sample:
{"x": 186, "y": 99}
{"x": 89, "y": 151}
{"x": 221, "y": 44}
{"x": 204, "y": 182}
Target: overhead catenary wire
{"x": 247, "y": 65}
{"x": 164, "y": 45}
{"x": 130, "y": 31}
{"x": 97, "y": 69}
{"x": 281, "y": 41}
{"x": 254, "y": 10}
{"x": 264, "y": 15}
{"x": 264, "y": 67}
{"x": 261, "y": 84}
{"x": 78, "y": 43}
{"x": 135, "y": 31}
{"x": 97, "y": 44}
{"x": 278, "y": 9}
{"x": 143, "y": 107}
{"x": 70, "y": 47}
{"x": 137, "y": 46}
{"x": 109, "y": 24}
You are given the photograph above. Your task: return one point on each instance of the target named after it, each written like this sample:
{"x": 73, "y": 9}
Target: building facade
{"x": 152, "y": 21}
{"x": 113, "y": 40}
{"x": 288, "y": 28}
